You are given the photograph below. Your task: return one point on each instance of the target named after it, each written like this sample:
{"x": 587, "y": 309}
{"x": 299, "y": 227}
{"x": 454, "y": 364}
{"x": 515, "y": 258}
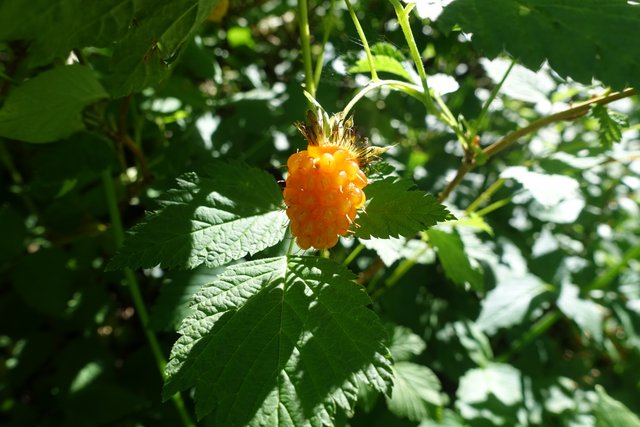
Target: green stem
{"x": 354, "y": 253}
{"x": 408, "y": 88}
{"x": 136, "y": 295}
{"x": 493, "y": 206}
{"x": 328, "y": 26}
{"x": 485, "y": 108}
{"x": 403, "y": 21}
{"x": 486, "y": 194}
{"x": 363, "y": 39}
{"x": 538, "y": 328}
{"x": 305, "y": 42}
{"x": 613, "y": 272}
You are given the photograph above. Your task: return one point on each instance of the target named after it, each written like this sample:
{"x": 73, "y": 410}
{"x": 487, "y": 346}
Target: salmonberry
{"x": 324, "y": 187}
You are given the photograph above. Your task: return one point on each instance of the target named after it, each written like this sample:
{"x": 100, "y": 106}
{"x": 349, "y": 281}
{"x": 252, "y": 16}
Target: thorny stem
{"x": 328, "y": 26}
{"x": 136, "y": 295}
{"x": 363, "y": 39}
{"x": 504, "y": 143}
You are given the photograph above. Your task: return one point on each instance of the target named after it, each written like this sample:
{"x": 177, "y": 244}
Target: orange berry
{"x": 323, "y": 191}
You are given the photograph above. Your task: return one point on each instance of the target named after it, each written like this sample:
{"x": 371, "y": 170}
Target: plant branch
{"x": 305, "y": 42}
{"x": 136, "y": 295}
{"x": 568, "y": 114}
{"x": 572, "y": 113}
{"x": 363, "y": 39}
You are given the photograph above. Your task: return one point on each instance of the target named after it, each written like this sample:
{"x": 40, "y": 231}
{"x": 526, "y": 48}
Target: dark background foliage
{"x": 516, "y": 315}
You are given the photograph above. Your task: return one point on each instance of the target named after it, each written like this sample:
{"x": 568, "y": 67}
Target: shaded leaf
{"x": 211, "y": 218}
{"x": 279, "y": 342}
{"x": 174, "y": 302}
{"x": 394, "y": 209}
{"x": 49, "y": 106}
{"x": 537, "y": 30}
{"x": 162, "y": 27}
{"x": 47, "y": 24}
{"x": 455, "y": 262}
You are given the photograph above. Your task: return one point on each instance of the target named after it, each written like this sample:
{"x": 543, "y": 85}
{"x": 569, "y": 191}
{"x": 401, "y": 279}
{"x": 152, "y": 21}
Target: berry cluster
{"x": 323, "y": 192}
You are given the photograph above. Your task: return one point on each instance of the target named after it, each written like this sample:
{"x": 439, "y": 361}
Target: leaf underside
{"x": 279, "y": 341}
{"x": 581, "y": 39}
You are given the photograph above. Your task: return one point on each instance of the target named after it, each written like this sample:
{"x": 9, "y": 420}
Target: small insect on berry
{"x": 323, "y": 190}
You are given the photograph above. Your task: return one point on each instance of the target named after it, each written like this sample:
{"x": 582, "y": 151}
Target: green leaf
{"x": 509, "y": 303}
{"x": 581, "y": 39}
{"x": 47, "y": 24}
{"x": 587, "y": 314}
{"x": 387, "y": 49}
{"x": 161, "y": 29}
{"x": 488, "y": 392}
{"x": 382, "y": 63}
{"x": 49, "y": 106}
{"x": 611, "y": 124}
{"x": 395, "y": 209}
{"x": 455, "y": 261}
{"x": 404, "y": 343}
{"x": 393, "y": 249}
{"x": 174, "y": 302}
{"x": 416, "y": 391}
{"x": 210, "y": 218}
{"x": 280, "y": 342}
{"x": 612, "y": 413}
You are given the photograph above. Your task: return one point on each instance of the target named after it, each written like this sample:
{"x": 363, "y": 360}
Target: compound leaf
{"x": 279, "y": 341}
{"x": 49, "y": 106}
{"x": 611, "y": 124}
{"x": 395, "y": 209}
{"x": 210, "y": 218}
{"x": 581, "y": 39}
